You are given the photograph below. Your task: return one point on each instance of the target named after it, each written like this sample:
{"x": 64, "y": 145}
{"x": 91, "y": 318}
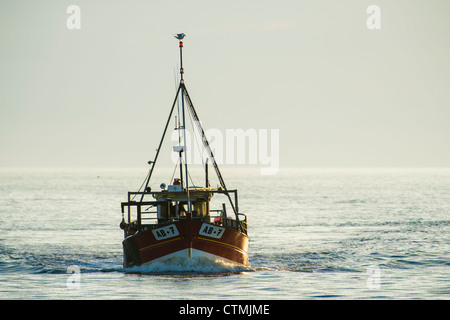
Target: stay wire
{"x": 139, "y": 190}
{"x": 200, "y": 149}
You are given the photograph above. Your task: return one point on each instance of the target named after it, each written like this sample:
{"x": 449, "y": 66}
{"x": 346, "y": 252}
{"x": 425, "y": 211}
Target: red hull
{"x": 187, "y": 239}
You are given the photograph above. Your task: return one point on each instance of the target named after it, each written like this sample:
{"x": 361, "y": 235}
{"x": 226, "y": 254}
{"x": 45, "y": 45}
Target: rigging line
{"x": 175, "y": 169}
{"x": 192, "y": 181}
{"x": 211, "y": 155}
{"x": 143, "y": 182}
{"x": 173, "y": 174}
{"x": 162, "y": 139}
{"x": 200, "y": 149}
{"x": 204, "y": 139}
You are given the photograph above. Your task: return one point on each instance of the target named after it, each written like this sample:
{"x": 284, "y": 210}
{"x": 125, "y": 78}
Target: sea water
{"x": 314, "y": 234}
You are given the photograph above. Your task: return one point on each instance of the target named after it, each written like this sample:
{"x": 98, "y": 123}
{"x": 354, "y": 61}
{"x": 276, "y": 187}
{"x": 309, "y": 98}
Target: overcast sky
{"x": 339, "y": 93}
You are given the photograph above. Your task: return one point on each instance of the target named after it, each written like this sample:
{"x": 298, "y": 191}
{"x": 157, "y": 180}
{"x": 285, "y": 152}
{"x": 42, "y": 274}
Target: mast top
{"x": 180, "y": 36}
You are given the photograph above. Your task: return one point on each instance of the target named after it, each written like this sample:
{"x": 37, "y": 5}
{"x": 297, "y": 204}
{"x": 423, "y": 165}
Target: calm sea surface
{"x": 315, "y": 234}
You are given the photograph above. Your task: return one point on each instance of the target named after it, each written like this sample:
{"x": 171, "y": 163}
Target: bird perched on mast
{"x": 180, "y": 36}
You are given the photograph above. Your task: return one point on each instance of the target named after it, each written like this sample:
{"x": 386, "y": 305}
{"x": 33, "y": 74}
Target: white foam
{"x": 184, "y": 262}
{"x": 188, "y": 266}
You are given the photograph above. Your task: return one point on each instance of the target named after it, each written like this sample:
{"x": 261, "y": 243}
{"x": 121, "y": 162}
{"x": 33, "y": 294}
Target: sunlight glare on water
{"x": 314, "y": 234}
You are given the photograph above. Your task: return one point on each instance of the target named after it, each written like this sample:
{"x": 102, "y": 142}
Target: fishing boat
{"x": 178, "y": 224}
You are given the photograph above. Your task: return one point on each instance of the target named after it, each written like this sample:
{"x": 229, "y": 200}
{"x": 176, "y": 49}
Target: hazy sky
{"x": 339, "y": 93}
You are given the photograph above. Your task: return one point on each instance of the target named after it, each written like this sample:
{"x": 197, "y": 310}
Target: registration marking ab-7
{"x": 165, "y": 232}
{"x": 211, "y": 231}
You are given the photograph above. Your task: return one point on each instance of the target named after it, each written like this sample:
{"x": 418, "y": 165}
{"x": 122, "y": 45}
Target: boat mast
{"x": 178, "y": 127}
{"x": 180, "y": 37}
{"x": 185, "y": 95}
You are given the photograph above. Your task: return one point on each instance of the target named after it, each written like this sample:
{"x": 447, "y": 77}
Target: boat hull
{"x": 186, "y": 242}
